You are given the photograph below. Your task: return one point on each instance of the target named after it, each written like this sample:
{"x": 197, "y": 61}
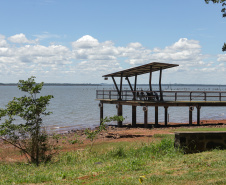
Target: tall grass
{"x": 121, "y": 163}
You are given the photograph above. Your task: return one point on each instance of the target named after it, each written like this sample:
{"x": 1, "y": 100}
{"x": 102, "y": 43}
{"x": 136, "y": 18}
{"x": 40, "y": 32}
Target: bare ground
{"x": 9, "y": 153}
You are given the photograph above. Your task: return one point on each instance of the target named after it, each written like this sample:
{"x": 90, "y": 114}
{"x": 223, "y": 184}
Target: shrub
{"x": 27, "y": 134}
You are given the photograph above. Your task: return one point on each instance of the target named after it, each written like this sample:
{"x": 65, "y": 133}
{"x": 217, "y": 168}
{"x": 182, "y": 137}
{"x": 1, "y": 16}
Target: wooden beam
{"x": 131, "y": 88}
{"x": 135, "y": 85}
{"x": 160, "y": 85}
{"x": 115, "y": 85}
{"x": 101, "y": 112}
{"x": 145, "y": 109}
{"x": 156, "y": 116}
{"x": 166, "y": 115}
{"x": 190, "y": 115}
{"x": 134, "y": 116}
{"x": 119, "y": 114}
{"x": 150, "y": 78}
{"x": 198, "y": 114}
{"x": 120, "y": 96}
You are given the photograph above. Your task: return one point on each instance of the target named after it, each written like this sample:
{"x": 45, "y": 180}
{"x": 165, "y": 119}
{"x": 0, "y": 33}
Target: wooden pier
{"x": 119, "y": 97}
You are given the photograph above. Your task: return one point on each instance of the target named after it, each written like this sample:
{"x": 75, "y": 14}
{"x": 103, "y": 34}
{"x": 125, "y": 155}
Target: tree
{"x": 223, "y": 10}
{"x": 22, "y": 122}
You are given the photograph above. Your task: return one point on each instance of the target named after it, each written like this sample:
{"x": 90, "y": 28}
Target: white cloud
{"x": 221, "y": 58}
{"x": 85, "y": 42}
{"x": 21, "y": 39}
{"x": 89, "y": 59}
{"x": 3, "y": 42}
{"x": 46, "y": 35}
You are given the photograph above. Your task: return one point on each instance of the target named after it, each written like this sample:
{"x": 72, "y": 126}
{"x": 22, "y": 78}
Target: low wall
{"x": 193, "y": 142}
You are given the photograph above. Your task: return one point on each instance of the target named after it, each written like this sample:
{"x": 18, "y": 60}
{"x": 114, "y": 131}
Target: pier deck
{"x": 163, "y": 103}
{"x": 166, "y": 99}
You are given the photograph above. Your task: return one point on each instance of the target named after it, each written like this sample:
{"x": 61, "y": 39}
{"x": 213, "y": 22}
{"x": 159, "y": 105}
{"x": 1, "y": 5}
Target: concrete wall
{"x": 193, "y": 142}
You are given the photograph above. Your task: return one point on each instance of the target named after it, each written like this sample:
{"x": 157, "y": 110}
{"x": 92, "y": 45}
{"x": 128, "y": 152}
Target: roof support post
{"x": 150, "y": 77}
{"x": 131, "y": 88}
{"x": 120, "y": 94}
{"x": 116, "y": 85}
{"x": 135, "y": 86}
{"x": 160, "y": 86}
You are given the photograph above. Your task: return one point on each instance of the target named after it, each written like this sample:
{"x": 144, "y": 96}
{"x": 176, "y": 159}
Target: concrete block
{"x": 193, "y": 142}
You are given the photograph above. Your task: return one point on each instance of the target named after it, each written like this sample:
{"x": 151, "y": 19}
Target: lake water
{"x": 75, "y": 107}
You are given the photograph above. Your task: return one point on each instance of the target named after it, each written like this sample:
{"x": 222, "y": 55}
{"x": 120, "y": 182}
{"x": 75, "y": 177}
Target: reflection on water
{"x": 75, "y": 106}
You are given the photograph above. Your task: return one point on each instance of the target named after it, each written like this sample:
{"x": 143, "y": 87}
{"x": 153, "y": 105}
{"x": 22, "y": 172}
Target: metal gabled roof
{"x": 154, "y": 66}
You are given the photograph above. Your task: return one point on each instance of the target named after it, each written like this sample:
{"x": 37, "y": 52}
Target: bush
{"x": 27, "y": 134}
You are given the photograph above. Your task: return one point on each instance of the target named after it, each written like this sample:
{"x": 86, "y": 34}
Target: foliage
{"x": 224, "y": 47}
{"x": 92, "y": 134}
{"x": 22, "y": 122}
{"x": 76, "y": 140}
{"x": 223, "y": 10}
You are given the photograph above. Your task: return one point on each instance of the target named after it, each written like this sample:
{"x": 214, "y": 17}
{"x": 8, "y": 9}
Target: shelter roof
{"x": 154, "y": 66}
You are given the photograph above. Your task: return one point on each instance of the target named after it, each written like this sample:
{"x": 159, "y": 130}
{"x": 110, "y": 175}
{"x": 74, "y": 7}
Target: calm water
{"x": 75, "y": 107}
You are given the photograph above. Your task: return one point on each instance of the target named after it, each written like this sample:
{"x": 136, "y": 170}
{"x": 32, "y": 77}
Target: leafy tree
{"x": 223, "y": 10}
{"x": 27, "y": 133}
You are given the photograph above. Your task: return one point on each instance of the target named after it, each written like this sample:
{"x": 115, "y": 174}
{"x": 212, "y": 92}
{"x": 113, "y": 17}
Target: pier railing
{"x": 166, "y": 95}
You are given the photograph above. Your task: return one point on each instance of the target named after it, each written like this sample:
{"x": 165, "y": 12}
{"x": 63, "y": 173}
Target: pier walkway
{"x": 166, "y": 99}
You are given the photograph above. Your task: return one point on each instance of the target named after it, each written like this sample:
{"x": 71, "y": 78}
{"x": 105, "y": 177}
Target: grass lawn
{"x": 123, "y": 163}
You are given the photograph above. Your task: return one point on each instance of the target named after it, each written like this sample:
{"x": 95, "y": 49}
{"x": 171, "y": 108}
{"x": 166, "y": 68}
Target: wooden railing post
{"x": 175, "y": 96}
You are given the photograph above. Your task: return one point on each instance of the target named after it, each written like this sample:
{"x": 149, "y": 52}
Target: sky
{"x": 78, "y": 41}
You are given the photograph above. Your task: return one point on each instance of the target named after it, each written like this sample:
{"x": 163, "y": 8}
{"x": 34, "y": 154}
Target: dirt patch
{"x": 76, "y": 140}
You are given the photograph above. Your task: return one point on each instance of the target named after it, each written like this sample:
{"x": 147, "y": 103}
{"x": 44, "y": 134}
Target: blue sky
{"x": 78, "y": 41}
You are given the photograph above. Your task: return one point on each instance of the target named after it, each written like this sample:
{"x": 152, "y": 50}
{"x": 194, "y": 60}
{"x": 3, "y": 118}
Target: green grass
{"x": 123, "y": 163}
